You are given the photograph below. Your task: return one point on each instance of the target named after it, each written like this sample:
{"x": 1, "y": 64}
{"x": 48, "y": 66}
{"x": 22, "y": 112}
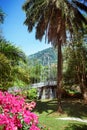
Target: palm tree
{"x": 57, "y": 20}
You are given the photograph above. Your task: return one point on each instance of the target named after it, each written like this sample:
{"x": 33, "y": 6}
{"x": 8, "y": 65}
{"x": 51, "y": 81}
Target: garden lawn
{"x": 46, "y": 111}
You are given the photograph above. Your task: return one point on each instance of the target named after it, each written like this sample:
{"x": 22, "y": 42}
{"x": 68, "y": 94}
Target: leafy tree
{"x": 21, "y": 75}
{"x": 76, "y": 65}
{"x": 12, "y": 52}
{"x": 5, "y": 72}
{"x": 55, "y": 19}
{"x": 11, "y": 64}
{"x": 35, "y": 72}
{"x": 48, "y": 73}
{"x": 53, "y": 72}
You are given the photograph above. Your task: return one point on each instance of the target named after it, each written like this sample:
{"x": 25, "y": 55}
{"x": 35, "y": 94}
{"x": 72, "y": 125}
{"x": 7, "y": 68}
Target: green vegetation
{"x": 32, "y": 94}
{"x": 44, "y": 57}
{"x": 12, "y": 65}
{"x": 72, "y": 108}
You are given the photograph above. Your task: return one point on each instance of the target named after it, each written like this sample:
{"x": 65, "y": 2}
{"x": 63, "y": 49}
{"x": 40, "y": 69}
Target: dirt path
{"x": 73, "y": 118}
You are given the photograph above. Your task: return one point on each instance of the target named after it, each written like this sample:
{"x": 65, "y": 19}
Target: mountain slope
{"x": 44, "y": 57}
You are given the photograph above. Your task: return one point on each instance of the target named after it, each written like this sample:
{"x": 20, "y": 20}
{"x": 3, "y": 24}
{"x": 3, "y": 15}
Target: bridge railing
{"x": 42, "y": 84}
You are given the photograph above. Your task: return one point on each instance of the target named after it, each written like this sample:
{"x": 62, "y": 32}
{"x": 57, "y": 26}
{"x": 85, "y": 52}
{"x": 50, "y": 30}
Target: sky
{"x": 15, "y": 31}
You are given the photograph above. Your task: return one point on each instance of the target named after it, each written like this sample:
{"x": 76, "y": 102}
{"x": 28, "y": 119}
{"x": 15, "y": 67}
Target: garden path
{"x": 73, "y": 118}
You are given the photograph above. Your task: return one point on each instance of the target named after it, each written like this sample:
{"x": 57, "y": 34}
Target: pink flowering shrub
{"x": 15, "y": 113}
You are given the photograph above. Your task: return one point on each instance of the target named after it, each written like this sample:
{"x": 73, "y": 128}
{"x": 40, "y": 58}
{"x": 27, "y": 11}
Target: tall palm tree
{"x": 57, "y": 20}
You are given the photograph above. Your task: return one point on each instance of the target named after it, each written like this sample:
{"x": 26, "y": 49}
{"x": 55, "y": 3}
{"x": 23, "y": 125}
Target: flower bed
{"x": 15, "y": 113}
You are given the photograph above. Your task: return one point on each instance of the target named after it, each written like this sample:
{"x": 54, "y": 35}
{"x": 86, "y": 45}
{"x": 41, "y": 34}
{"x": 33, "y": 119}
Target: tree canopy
{"x": 53, "y": 18}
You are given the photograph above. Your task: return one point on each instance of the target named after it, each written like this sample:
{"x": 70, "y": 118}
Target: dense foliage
{"x": 5, "y": 71}
{"x": 76, "y": 63}
{"x": 12, "y": 61}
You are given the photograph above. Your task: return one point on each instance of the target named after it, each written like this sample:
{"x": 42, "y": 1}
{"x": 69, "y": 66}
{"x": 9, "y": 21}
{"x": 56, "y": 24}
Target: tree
{"x": 12, "y": 52}
{"x": 11, "y": 64}
{"x": 35, "y": 71}
{"x": 76, "y": 65}
{"x": 5, "y": 72}
{"x": 57, "y": 20}
{"x": 21, "y": 75}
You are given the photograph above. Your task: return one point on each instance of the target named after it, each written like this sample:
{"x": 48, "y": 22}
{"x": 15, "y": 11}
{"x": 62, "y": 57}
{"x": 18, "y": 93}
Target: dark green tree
{"x": 57, "y": 20}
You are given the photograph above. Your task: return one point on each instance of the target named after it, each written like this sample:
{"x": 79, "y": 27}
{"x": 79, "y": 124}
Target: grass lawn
{"x": 72, "y": 108}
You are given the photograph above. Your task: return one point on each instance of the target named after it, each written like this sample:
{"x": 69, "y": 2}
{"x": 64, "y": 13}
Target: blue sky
{"x": 15, "y": 31}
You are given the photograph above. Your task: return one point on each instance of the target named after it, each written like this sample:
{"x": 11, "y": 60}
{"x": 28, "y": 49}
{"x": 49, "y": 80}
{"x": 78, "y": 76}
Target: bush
{"x": 32, "y": 94}
{"x": 29, "y": 94}
{"x": 15, "y": 113}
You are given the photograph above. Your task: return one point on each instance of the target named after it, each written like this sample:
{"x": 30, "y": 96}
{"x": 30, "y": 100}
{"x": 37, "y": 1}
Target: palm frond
{"x": 11, "y": 51}
{"x": 53, "y": 18}
{"x": 81, "y": 6}
{"x": 34, "y": 10}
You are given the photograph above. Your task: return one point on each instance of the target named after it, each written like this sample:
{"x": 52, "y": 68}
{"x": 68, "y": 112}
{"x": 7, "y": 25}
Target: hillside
{"x": 44, "y": 57}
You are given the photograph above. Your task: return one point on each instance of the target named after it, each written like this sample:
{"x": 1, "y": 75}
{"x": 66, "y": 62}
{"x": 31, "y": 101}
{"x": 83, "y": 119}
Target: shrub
{"x": 32, "y": 94}
{"x": 15, "y": 113}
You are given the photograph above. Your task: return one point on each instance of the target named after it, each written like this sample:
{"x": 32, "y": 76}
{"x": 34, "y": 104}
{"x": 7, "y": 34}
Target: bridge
{"x": 45, "y": 90}
{"x": 44, "y": 84}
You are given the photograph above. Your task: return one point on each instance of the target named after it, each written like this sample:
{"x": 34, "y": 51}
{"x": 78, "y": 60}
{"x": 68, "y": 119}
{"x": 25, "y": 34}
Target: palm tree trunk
{"x": 59, "y": 77}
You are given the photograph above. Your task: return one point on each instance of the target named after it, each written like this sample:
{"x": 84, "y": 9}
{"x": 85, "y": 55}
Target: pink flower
{"x": 33, "y": 127}
{"x": 29, "y": 106}
{"x": 15, "y": 111}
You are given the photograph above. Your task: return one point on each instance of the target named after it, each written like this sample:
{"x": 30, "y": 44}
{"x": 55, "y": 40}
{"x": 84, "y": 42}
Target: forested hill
{"x": 44, "y": 57}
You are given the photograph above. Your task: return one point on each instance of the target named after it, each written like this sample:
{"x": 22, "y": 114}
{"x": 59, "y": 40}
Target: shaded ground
{"x": 76, "y": 127}
{"x": 71, "y": 108}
